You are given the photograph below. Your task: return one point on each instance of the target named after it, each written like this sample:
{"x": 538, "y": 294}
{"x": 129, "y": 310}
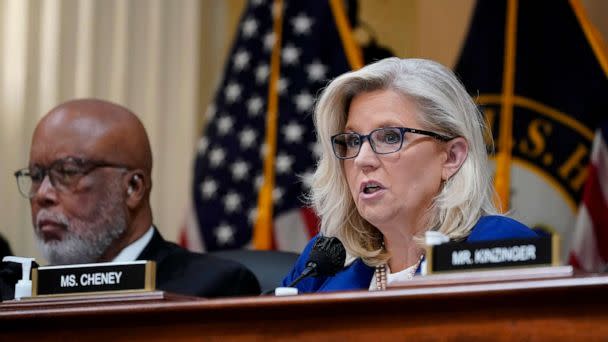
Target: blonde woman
{"x": 403, "y": 152}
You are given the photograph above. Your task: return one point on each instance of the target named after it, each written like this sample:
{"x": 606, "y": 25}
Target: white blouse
{"x": 394, "y": 278}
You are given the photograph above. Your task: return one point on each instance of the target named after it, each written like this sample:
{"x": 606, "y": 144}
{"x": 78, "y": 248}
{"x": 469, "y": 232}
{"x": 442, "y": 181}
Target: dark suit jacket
{"x": 177, "y": 270}
{"x": 10, "y": 272}
{"x": 181, "y": 271}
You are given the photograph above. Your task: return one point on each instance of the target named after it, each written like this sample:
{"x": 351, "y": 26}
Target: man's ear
{"x": 457, "y": 150}
{"x": 136, "y": 189}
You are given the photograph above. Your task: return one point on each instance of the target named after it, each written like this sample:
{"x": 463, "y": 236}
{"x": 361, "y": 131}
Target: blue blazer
{"x": 358, "y": 275}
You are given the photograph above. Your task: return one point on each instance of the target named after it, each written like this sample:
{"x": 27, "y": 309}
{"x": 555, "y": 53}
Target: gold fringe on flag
{"x": 505, "y": 135}
{"x": 262, "y": 231}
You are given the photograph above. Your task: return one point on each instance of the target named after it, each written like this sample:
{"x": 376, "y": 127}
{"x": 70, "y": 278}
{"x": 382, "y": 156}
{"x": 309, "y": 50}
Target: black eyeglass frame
{"x": 87, "y": 166}
{"x": 402, "y": 130}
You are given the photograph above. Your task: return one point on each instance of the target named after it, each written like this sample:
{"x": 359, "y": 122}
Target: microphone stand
{"x": 310, "y": 270}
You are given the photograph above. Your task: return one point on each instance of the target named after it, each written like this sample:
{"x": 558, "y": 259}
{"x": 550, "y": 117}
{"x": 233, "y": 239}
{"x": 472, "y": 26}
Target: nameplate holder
{"x": 513, "y": 253}
{"x": 96, "y": 278}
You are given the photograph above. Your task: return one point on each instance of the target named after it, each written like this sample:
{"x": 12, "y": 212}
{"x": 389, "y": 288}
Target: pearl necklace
{"x": 382, "y": 270}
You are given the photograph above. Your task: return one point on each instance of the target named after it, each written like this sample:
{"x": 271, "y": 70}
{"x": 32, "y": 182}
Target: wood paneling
{"x": 531, "y": 310}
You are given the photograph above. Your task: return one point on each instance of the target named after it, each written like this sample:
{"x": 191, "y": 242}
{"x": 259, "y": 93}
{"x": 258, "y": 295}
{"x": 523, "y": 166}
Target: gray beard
{"x": 81, "y": 248}
{"x": 85, "y": 241}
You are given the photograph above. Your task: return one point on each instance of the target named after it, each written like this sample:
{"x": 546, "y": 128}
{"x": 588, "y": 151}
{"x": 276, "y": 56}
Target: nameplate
{"x": 94, "y": 278}
{"x": 461, "y": 256}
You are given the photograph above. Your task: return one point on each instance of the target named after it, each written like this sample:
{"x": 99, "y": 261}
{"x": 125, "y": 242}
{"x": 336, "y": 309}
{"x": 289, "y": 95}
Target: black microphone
{"x": 326, "y": 259}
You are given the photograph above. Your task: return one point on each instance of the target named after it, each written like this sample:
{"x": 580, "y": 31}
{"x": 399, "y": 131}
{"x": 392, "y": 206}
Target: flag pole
{"x": 505, "y": 137}
{"x": 351, "y": 48}
{"x": 593, "y": 36}
{"x": 262, "y": 232}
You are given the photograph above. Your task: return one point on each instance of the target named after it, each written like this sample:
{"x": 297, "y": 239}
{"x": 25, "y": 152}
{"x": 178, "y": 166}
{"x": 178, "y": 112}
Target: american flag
{"x": 229, "y": 165}
{"x": 590, "y": 241}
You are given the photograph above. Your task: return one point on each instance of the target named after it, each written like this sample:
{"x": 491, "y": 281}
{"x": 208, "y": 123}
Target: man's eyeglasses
{"x": 382, "y": 140}
{"x": 64, "y": 174}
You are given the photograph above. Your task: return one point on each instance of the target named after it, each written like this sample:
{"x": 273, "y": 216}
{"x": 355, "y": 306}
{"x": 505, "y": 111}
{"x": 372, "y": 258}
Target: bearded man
{"x": 89, "y": 182}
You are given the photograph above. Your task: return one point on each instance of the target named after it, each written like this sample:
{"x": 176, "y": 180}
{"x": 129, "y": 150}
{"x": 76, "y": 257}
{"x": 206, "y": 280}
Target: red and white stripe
{"x": 589, "y": 250}
{"x": 293, "y": 229}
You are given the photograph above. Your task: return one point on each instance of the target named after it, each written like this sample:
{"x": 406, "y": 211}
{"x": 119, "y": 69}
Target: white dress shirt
{"x": 132, "y": 251}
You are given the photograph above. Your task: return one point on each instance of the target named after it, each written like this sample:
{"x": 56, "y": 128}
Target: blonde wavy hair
{"x": 446, "y": 108}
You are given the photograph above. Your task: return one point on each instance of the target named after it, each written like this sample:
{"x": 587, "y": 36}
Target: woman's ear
{"x": 457, "y": 150}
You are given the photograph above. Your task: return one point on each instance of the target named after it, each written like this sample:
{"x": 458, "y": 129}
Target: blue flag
{"x": 540, "y": 75}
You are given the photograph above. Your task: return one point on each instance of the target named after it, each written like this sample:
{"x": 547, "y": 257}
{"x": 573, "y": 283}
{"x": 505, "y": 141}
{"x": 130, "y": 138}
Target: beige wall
{"x": 424, "y": 29}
